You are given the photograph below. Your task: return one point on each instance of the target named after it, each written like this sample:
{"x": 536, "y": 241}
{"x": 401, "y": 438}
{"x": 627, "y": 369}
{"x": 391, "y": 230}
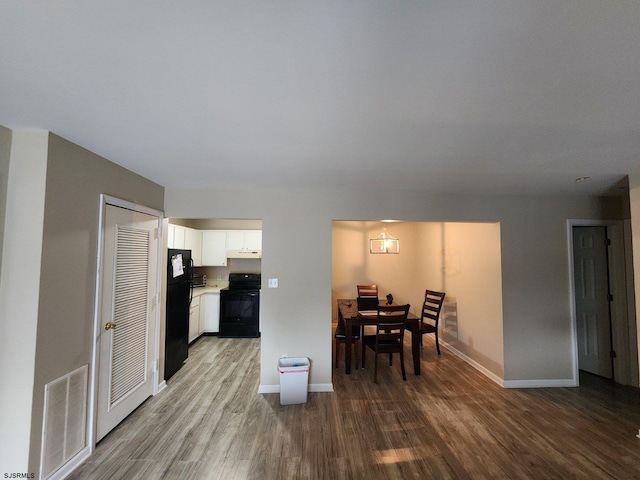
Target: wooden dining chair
{"x": 367, "y": 290}
{"x": 431, "y": 309}
{"x": 389, "y": 337}
{"x": 341, "y": 337}
{"x": 367, "y": 300}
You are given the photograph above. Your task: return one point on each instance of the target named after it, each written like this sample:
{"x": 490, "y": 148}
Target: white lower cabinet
{"x": 194, "y": 319}
{"x": 210, "y": 321}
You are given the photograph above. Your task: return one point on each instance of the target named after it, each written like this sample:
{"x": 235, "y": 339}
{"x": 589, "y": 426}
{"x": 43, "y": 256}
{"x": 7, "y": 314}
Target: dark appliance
{"x": 179, "y": 294}
{"x": 199, "y": 280}
{"x": 240, "y": 306}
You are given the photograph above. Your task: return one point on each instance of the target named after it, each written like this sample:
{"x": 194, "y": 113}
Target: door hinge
{"x": 607, "y": 242}
{"x": 155, "y": 233}
{"x": 610, "y": 297}
{"x": 612, "y": 354}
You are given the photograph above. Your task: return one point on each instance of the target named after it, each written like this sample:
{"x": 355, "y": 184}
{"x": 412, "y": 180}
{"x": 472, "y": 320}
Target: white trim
{"x": 117, "y": 202}
{"x": 269, "y": 389}
{"x": 161, "y": 386}
{"x": 572, "y": 300}
{"x": 487, "y": 373}
{"x": 106, "y": 200}
{"x": 551, "y": 383}
{"x": 313, "y": 387}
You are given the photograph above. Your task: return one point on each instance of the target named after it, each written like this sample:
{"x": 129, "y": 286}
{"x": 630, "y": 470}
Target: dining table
{"x": 348, "y": 312}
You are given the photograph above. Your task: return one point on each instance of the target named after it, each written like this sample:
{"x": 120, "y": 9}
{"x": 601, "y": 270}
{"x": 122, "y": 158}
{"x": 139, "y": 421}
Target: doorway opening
{"x": 219, "y": 248}
{"x": 603, "y": 331}
{"x": 462, "y": 259}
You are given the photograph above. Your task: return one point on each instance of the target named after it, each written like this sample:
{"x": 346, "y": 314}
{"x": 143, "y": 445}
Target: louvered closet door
{"x": 128, "y": 309}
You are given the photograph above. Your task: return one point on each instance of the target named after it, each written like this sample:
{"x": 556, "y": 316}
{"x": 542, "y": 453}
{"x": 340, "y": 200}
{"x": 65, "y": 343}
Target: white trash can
{"x": 294, "y": 380}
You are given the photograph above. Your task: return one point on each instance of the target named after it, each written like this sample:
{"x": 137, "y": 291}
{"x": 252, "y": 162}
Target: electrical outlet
{"x": 273, "y": 283}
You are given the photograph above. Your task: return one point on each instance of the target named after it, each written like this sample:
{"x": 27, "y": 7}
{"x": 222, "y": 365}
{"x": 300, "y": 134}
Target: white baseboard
{"x": 487, "y": 373}
{"x": 542, "y": 383}
{"x": 161, "y": 387}
{"x": 567, "y": 382}
{"x": 321, "y": 387}
{"x": 71, "y": 465}
{"x": 313, "y": 387}
{"x": 269, "y": 389}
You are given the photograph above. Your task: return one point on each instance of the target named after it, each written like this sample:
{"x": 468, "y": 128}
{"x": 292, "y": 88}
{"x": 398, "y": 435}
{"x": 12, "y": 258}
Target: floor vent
{"x": 64, "y": 421}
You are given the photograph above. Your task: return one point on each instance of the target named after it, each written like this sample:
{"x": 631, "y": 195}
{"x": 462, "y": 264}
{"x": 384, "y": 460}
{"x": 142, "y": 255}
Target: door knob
{"x": 109, "y": 326}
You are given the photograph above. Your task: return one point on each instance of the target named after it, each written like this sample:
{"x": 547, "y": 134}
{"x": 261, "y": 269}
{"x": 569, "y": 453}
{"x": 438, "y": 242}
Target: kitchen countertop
{"x": 212, "y": 287}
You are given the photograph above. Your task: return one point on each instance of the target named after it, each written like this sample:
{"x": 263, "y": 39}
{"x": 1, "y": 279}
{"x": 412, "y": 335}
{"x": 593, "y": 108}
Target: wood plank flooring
{"x": 449, "y": 423}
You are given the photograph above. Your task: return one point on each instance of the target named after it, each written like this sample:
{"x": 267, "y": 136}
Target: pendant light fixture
{"x": 384, "y": 243}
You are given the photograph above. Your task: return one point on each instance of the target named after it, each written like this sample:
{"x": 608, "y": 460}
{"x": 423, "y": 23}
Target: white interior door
{"x": 128, "y": 309}
{"x": 593, "y": 322}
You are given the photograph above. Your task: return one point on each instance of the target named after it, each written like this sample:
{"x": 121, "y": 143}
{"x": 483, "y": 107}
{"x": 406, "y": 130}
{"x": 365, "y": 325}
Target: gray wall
{"x": 75, "y": 179}
{"x": 296, "y": 317}
{"x": 634, "y": 203}
{"x": 5, "y": 152}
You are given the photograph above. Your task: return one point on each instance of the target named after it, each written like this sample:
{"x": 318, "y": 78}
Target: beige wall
{"x": 352, "y": 263}
{"x": 297, "y": 249}
{"x": 467, "y": 266}
{"x": 75, "y": 178}
{"x": 460, "y": 259}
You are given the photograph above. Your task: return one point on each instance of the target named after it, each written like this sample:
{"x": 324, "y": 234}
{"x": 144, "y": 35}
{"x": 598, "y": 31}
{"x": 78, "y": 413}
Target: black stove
{"x": 244, "y": 281}
{"x": 240, "y": 306}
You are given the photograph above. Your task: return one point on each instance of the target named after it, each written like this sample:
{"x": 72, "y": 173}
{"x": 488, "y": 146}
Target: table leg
{"x": 415, "y": 350}
{"x": 347, "y": 346}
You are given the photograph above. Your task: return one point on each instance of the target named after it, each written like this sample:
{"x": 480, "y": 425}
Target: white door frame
{"x": 617, "y": 287}
{"x": 92, "y": 416}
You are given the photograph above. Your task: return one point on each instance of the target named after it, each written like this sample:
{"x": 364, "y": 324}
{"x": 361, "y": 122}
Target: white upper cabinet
{"x": 244, "y": 243}
{"x": 186, "y": 238}
{"x": 253, "y": 239}
{"x": 214, "y": 248}
{"x": 178, "y": 237}
{"x": 211, "y": 248}
{"x": 193, "y": 242}
{"x": 170, "y": 235}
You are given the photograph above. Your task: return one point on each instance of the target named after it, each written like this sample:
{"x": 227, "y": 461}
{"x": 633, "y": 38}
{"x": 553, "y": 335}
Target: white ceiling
{"x": 513, "y": 96}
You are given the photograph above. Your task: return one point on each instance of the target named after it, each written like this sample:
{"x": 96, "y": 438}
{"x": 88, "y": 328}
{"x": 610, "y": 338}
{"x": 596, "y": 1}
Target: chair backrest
{"x": 392, "y": 320}
{"x": 367, "y": 297}
{"x": 431, "y": 307}
{"x": 368, "y": 290}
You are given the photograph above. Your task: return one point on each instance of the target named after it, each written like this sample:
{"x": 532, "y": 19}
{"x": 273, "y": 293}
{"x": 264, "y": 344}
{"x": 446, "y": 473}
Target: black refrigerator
{"x": 179, "y": 293}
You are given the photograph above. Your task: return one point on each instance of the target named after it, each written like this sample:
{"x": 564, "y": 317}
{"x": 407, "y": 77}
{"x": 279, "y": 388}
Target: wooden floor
{"x": 451, "y": 422}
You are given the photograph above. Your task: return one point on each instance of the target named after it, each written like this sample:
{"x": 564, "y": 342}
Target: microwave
{"x": 199, "y": 280}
